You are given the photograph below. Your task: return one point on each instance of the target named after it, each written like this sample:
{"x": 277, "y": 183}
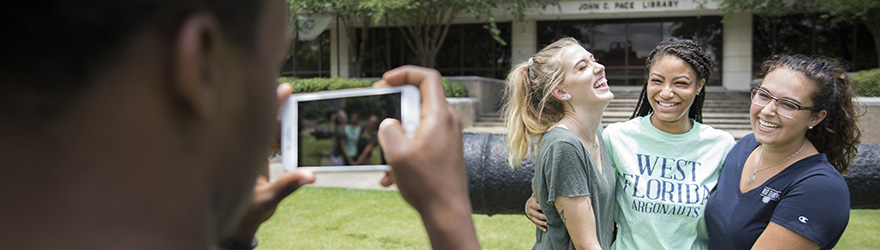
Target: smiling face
{"x": 773, "y": 129}
{"x": 584, "y": 77}
{"x": 671, "y": 90}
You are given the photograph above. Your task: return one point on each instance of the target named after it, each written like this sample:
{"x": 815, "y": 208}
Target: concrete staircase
{"x": 724, "y": 110}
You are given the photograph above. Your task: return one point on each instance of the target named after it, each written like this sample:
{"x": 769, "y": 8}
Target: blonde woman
{"x": 558, "y": 97}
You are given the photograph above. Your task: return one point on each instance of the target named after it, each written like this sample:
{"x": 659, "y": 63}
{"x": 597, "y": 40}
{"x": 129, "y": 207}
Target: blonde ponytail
{"x": 529, "y": 108}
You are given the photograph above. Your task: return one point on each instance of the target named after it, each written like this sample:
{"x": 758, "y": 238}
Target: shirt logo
{"x": 770, "y": 194}
{"x": 803, "y": 219}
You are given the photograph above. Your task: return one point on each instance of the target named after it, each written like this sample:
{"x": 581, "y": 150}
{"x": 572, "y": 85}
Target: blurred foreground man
{"x": 144, "y": 124}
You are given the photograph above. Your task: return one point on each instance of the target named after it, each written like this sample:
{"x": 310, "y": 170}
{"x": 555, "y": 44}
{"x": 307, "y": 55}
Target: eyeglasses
{"x": 784, "y": 107}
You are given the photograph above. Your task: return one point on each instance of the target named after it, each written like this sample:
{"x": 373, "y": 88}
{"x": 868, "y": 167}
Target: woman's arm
{"x": 776, "y": 236}
{"x": 362, "y": 158}
{"x": 578, "y": 216}
{"x": 342, "y": 141}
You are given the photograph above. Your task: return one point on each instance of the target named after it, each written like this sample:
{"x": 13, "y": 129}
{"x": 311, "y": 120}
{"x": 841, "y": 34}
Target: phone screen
{"x": 343, "y": 131}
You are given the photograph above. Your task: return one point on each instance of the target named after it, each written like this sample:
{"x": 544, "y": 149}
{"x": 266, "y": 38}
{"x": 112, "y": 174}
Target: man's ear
{"x": 194, "y": 66}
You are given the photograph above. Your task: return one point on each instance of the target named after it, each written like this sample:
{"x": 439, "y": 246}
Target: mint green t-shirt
{"x": 663, "y": 181}
{"x": 564, "y": 168}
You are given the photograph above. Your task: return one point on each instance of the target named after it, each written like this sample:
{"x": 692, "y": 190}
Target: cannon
{"x": 863, "y": 178}
{"x": 498, "y": 188}
{"x": 495, "y": 187}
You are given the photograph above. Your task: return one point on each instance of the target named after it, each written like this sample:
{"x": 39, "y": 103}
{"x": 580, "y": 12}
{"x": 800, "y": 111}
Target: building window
{"x": 811, "y": 35}
{"x": 309, "y": 58}
{"x": 623, "y": 45}
{"x": 468, "y": 50}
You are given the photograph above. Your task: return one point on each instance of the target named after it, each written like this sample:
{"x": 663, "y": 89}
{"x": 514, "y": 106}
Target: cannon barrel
{"x": 498, "y": 188}
{"x": 863, "y": 178}
{"x": 495, "y": 186}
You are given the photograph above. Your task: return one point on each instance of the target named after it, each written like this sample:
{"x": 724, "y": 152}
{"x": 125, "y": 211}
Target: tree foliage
{"x": 351, "y": 13}
{"x": 864, "y": 11}
{"x": 425, "y": 23}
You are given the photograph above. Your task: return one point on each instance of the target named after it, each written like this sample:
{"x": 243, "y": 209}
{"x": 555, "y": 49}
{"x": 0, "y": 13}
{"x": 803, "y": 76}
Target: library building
{"x": 620, "y": 34}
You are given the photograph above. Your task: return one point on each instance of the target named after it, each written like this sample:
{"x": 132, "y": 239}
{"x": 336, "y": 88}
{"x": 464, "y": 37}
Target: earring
{"x": 566, "y": 96}
{"x": 810, "y": 127}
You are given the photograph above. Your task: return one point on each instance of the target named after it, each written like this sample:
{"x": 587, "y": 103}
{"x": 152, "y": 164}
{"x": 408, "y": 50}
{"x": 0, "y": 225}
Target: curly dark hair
{"x": 838, "y": 135}
{"x": 694, "y": 56}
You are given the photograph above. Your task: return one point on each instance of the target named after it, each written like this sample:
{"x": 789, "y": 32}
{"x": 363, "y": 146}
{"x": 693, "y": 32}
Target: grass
{"x": 863, "y": 230}
{"x": 315, "y": 150}
{"x": 339, "y": 218}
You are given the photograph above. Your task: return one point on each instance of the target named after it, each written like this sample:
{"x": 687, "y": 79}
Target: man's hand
{"x": 429, "y": 169}
{"x": 265, "y": 200}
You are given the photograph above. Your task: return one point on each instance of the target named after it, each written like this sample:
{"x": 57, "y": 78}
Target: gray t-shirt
{"x": 564, "y": 168}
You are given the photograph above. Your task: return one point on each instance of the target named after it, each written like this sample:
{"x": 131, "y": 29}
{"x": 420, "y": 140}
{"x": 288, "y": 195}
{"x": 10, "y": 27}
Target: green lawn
{"x": 863, "y": 230}
{"x": 339, "y": 218}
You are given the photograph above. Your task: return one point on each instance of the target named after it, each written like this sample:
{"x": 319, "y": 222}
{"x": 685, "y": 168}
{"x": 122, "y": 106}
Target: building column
{"x": 340, "y": 68}
{"x": 737, "y": 62}
{"x": 523, "y": 41}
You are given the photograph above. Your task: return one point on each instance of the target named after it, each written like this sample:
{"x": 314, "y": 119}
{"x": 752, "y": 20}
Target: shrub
{"x": 454, "y": 89}
{"x": 866, "y": 82}
{"x": 305, "y": 85}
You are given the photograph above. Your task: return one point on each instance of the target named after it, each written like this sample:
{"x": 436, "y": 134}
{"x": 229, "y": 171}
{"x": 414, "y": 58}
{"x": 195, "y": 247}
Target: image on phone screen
{"x": 343, "y": 131}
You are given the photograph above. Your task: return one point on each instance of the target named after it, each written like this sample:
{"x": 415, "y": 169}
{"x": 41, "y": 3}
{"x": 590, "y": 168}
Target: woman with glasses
{"x": 781, "y": 187}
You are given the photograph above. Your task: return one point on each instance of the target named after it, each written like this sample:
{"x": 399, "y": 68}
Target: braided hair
{"x": 838, "y": 135}
{"x": 688, "y": 51}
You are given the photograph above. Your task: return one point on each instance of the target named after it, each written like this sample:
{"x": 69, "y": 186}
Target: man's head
{"x": 53, "y": 49}
{"x": 158, "y": 104}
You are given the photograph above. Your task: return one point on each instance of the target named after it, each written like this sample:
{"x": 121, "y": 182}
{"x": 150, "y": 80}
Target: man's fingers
{"x": 380, "y": 83}
{"x": 391, "y": 133}
{"x": 289, "y": 182}
{"x": 283, "y": 91}
{"x": 387, "y": 180}
{"x": 429, "y": 83}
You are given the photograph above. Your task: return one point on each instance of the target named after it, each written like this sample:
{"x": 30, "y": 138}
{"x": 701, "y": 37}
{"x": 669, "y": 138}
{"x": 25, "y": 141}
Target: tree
{"x": 351, "y": 13}
{"x": 864, "y": 11}
{"x": 425, "y": 23}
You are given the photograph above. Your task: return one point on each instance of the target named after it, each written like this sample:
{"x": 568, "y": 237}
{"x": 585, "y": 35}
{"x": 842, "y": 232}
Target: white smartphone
{"x": 331, "y": 131}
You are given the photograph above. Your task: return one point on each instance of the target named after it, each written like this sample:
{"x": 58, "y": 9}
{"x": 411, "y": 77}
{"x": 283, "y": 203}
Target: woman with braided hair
{"x": 666, "y": 160}
{"x": 782, "y": 187}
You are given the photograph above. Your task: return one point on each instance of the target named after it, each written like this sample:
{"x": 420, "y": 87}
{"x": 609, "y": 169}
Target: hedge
{"x": 303, "y": 85}
{"x": 866, "y": 82}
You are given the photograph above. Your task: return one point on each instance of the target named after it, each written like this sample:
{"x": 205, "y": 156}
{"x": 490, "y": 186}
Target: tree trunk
{"x": 874, "y": 28}
{"x": 358, "y": 61}
{"x": 426, "y": 31}
{"x": 428, "y": 58}
{"x": 357, "y": 50}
